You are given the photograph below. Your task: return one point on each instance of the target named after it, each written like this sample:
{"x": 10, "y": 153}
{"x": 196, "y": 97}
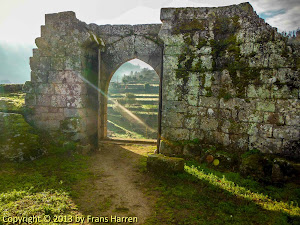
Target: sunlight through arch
{"x": 133, "y": 102}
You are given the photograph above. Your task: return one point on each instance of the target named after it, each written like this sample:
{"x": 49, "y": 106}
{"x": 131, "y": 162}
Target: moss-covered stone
{"x": 159, "y": 163}
{"x": 18, "y": 140}
{"x": 256, "y": 166}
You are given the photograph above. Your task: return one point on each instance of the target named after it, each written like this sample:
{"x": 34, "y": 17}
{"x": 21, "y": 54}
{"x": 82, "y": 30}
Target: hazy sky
{"x": 20, "y": 20}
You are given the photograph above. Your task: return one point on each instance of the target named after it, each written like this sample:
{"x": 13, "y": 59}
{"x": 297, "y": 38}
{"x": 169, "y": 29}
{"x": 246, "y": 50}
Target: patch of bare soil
{"x": 116, "y": 188}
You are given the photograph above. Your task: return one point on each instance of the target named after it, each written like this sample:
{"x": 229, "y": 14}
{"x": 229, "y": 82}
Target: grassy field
{"x": 49, "y": 186}
{"x": 53, "y": 184}
{"x": 144, "y": 106}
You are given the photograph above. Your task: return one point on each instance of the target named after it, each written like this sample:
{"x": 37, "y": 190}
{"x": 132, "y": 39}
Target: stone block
{"x": 57, "y": 63}
{"x": 169, "y": 149}
{"x": 265, "y": 130}
{"x": 73, "y": 63}
{"x": 274, "y": 118}
{"x": 194, "y": 81}
{"x": 222, "y": 138}
{"x": 161, "y": 164}
{"x": 30, "y": 99}
{"x": 147, "y": 29}
{"x": 41, "y": 109}
{"x": 265, "y": 145}
{"x": 192, "y": 100}
{"x": 250, "y": 116}
{"x": 76, "y": 101}
{"x": 283, "y": 92}
{"x": 34, "y": 63}
{"x": 73, "y": 125}
{"x": 206, "y": 61}
{"x": 209, "y": 102}
{"x": 39, "y": 76}
{"x": 44, "y": 64}
{"x": 29, "y": 87}
{"x": 71, "y": 112}
{"x": 286, "y": 132}
{"x": 59, "y": 101}
{"x": 65, "y": 77}
{"x": 262, "y": 92}
{"x": 292, "y": 119}
{"x": 239, "y": 141}
{"x": 212, "y": 113}
{"x": 43, "y": 100}
{"x": 191, "y": 122}
{"x": 172, "y": 39}
{"x": 51, "y": 116}
{"x": 265, "y": 106}
{"x": 288, "y": 105}
{"x": 209, "y": 124}
{"x": 46, "y": 89}
{"x": 51, "y": 125}
{"x": 172, "y": 50}
{"x": 174, "y": 119}
{"x": 224, "y": 113}
{"x": 192, "y": 111}
{"x": 237, "y": 104}
{"x": 252, "y": 129}
{"x": 202, "y": 112}
{"x": 175, "y": 134}
{"x": 170, "y": 62}
{"x": 70, "y": 89}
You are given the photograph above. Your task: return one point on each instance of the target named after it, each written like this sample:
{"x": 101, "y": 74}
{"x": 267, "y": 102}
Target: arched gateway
{"x": 228, "y": 79}
{"x": 72, "y": 68}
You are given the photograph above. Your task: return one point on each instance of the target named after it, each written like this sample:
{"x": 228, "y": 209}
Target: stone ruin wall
{"x": 229, "y": 79}
{"x": 62, "y": 94}
{"x": 57, "y": 95}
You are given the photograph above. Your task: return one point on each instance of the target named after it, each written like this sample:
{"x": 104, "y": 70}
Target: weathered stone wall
{"x": 57, "y": 92}
{"x": 72, "y": 68}
{"x": 230, "y": 80}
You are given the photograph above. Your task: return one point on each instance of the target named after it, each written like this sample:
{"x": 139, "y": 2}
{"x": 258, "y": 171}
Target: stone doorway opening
{"x": 133, "y": 102}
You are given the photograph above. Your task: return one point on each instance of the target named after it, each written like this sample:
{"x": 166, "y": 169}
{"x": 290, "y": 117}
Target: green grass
{"x": 195, "y": 197}
{"x": 123, "y": 132}
{"x": 44, "y": 186}
{"x": 12, "y": 102}
{"x": 290, "y": 192}
{"x": 263, "y": 200}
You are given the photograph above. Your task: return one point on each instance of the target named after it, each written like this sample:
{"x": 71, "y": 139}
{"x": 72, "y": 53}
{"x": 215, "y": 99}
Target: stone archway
{"x": 219, "y": 86}
{"x": 140, "y": 42}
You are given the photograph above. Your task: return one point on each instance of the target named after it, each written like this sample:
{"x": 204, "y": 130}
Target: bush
{"x": 129, "y": 98}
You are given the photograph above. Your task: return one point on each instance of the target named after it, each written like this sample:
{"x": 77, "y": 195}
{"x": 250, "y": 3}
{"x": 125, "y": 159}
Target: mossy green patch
{"x": 43, "y": 186}
{"x": 185, "y": 26}
{"x": 18, "y": 140}
{"x": 187, "y": 58}
{"x": 226, "y": 54}
{"x": 12, "y": 102}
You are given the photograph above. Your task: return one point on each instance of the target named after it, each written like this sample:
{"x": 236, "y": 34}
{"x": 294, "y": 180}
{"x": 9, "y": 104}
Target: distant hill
{"x": 14, "y": 62}
{"x": 5, "y": 82}
{"x": 141, "y": 77}
{"x": 125, "y": 69}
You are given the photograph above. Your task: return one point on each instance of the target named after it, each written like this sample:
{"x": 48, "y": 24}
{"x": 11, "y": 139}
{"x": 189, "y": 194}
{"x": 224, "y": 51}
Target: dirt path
{"x": 116, "y": 188}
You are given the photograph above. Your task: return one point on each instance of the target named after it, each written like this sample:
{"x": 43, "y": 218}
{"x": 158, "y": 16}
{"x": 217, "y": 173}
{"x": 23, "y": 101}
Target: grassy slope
{"x": 180, "y": 199}
{"x": 46, "y": 186}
